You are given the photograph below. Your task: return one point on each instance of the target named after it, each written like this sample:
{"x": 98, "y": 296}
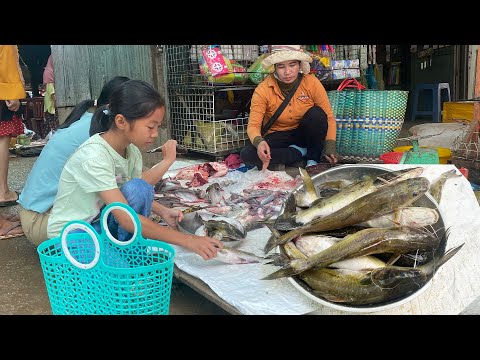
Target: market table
{"x": 239, "y": 289}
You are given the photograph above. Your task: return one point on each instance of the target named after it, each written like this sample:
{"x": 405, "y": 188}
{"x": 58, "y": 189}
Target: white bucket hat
{"x": 281, "y": 53}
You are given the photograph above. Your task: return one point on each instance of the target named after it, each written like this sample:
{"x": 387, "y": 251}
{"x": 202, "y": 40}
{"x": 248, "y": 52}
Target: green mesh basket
{"x": 385, "y": 104}
{"x": 90, "y": 274}
{"x": 364, "y": 140}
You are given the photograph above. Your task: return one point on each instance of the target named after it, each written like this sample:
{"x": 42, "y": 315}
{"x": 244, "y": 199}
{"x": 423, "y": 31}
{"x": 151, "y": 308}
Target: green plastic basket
{"x": 364, "y": 140}
{"x": 90, "y": 274}
{"x": 386, "y": 104}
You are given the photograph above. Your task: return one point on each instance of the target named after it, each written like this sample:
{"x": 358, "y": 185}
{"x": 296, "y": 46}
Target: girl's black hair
{"x": 103, "y": 99}
{"x": 134, "y": 99}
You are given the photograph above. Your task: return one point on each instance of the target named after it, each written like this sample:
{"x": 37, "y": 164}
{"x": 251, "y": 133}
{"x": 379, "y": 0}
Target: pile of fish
{"x": 360, "y": 242}
{"x": 251, "y": 207}
{"x": 215, "y": 211}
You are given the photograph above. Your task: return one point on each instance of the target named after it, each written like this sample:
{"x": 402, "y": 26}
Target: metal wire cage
{"x": 209, "y": 114}
{"x": 183, "y": 64}
{"x": 90, "y": 274}
{"x": 466, "y": 151}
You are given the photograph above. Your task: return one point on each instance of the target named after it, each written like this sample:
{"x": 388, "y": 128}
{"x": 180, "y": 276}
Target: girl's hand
{"x": 171, "y": 217}
{"x": 169, "y": 151}
{"x": 205, "y": 246}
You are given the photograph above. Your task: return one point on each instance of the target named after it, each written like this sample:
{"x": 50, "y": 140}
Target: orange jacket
{"x": 267, "y": 97}
{"x": 11, "y": 77}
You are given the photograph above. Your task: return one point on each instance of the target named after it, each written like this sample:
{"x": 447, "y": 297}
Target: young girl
{"x": 108, "y": 168}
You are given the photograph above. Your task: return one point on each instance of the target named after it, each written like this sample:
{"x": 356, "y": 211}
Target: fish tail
{"x": 277, "y": 260}
{"x": 283, "y": 272}
{"x": 274, "y": 240}
{"x": 448, "y": 255}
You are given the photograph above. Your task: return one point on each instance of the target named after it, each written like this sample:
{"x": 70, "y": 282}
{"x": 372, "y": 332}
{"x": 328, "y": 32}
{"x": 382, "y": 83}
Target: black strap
{"x": 282, "y": 106}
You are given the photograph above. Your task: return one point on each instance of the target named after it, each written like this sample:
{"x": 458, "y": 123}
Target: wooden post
{"x": 476, "y": 93}
{"x": 473, "y": 141}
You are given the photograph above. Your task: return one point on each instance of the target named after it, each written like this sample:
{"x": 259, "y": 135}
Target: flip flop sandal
{"x": 10, "y": 202}
{"x": 12, "y": 226}
{"x": 10, "y": 217}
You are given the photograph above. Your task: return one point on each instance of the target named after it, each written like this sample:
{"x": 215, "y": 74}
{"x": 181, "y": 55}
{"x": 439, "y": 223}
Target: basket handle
{"x": 350, "y": 83}
{"x": 82, "y": 225}
{"x": 133, "y": 215}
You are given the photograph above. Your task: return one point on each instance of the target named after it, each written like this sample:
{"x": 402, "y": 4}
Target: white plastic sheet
{"x": 453, "y": 288}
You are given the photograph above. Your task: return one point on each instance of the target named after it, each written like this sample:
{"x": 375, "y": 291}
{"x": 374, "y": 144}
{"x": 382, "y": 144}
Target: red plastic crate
{"x": 391, "y": 157}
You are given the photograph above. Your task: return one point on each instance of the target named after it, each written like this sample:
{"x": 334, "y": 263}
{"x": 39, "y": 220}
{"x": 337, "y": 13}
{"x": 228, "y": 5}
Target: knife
{"x": 180, "y": 150}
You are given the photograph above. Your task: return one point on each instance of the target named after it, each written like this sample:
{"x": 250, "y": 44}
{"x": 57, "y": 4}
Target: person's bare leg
{"x": 5, "y": 193}
{"x": 8, "y": 228}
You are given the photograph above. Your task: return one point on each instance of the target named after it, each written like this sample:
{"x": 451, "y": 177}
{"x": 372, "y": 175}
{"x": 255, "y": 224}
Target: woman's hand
{"x": 13, "y": 105}
{"x": 205, "y": 246}
{"x": 331, "y": 151}
{"x": 263, "y": 152}
{"x": 332, "y": 159}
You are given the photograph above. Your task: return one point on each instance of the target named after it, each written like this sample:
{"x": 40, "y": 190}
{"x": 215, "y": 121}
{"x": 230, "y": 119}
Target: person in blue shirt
{"x": 38, "y": 194}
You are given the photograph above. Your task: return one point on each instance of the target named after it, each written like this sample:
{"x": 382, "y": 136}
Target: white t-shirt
{"x": 94, "y": 167}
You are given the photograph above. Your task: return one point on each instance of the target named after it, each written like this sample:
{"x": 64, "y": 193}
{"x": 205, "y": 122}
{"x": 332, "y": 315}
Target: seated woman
{"x": 306, "y": 128}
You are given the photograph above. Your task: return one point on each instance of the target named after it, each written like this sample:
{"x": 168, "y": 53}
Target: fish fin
{"x": 393, "y": 259}
{"x": 277, "y": 260}
{"x": 330, "y": 297}
{"x": 286, "y": 223}
{"x": 274, "y": 240}
{"x": 273, "y": 230}
{"x": 448, "y": 255}
{"x": 271, "y": 242}
{"x": 286, "y": 271}
{"x": 290, "y": 205}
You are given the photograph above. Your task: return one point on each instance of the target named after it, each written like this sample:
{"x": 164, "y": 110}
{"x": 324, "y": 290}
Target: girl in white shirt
{"x": 108, "y": 168}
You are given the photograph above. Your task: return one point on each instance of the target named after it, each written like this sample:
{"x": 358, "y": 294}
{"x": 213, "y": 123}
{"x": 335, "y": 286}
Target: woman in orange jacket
{"x": 306, "y": 128}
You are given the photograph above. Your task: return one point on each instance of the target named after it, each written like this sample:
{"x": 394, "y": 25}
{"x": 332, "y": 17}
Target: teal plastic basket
{"x": 87, "y": 273}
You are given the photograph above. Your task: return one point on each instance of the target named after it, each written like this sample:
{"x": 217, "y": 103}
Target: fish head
{"x": 190, "y": 223}
{"x": 412, "y": 189}
{"x": 224, "y": 229}
{"x": 389, "y": 277}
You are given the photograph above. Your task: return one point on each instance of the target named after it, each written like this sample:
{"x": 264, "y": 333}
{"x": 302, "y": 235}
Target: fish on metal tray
{"x": 329, "y": 188}
{"x": 399, "y": 240}
{"x": 308, "y": 194}
{"x": 386, "y": 199}
{"x": 372, "y": 287}
{"x": 326, "y": 206}
{"x": 437, "y": 186}
{"x": 412, "y": 216}
{"x": 311, "y": 245}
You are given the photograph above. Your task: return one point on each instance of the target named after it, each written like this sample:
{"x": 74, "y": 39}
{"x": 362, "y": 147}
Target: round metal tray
{"x": 353, "y": 173}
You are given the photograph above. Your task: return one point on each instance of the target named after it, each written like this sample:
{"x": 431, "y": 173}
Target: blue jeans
{"x": 139, "y": 196}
